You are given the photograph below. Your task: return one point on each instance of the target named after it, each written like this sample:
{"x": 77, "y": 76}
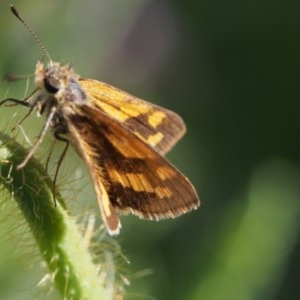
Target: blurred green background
{"x": 230, "y": 69}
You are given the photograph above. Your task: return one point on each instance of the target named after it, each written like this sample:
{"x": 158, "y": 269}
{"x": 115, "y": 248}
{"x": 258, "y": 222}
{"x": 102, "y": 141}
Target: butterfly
{"x": 122, "y": 140}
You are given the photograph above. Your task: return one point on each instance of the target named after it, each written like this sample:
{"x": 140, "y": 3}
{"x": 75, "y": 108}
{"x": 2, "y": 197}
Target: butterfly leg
{"x": 58, "y": 134}
{"x": 16, "y": 101}
{"x": 21, "y": 102}
{"x": 40, "y": 138}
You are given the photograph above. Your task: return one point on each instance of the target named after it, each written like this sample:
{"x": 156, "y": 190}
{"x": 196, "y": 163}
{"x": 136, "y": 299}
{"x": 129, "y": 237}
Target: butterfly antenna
{"x": 16, "y": 13}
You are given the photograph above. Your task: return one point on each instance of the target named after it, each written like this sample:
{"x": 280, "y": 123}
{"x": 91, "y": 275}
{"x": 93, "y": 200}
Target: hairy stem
{"x": 62, "y": 246}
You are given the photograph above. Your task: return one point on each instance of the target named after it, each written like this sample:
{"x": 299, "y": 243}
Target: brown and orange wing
{"x": 156, "y": 126}
{"x": 127, "y": 173}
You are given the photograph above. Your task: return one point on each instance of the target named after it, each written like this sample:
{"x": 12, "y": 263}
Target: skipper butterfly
{"x": 122, "y": 140}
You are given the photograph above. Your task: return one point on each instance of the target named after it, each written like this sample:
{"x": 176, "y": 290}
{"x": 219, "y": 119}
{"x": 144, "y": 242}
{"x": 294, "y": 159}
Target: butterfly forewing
{"x": 156, "y": 126}
{"x": 138, "y": 179}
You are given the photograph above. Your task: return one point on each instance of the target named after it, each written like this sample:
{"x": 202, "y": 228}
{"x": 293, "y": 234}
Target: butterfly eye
{"x": 49, "y": 87}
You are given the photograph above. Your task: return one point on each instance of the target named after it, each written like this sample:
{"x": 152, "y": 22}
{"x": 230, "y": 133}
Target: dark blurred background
{"x": 231, "y": 70}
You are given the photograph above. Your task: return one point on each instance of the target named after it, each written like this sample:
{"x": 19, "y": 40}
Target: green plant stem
{"x": 56, "y": 234}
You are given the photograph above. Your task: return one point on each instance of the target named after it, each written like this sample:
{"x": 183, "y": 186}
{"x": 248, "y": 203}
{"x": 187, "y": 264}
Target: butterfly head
{"x": 60, "y": 81}
{"x": 54, "y": 77}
